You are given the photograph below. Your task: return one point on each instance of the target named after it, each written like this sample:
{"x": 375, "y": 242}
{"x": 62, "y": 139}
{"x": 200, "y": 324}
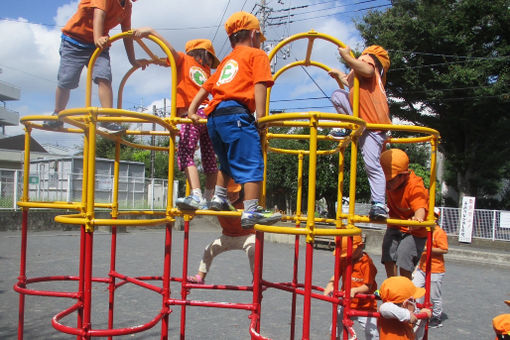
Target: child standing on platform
{"x": 193, "y": 69}
{"x": 370, "y": 68}
{"x": 87, "y": 30}
{"x": 363, "y": 282}
{"x": 239, "y": 87}
{"x": 408, "y": 199}
{"x": 233, "y": 237}
{"x": 439, "y": 248}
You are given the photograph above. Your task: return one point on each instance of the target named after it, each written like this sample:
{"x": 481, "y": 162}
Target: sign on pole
{"x": 466, "y": 219}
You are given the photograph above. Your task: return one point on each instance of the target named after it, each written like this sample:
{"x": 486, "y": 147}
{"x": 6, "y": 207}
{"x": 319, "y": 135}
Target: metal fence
{"x": 151, "y": 194}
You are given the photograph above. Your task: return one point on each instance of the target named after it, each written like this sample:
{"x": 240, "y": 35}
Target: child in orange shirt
{"x": 239, "y": 87}
{"x": 407, "y": 200}
{"x": 399, "y": 294}
{"x": 501, "y": 325}
{"x": 370, "y": 68}
{"x": 87, "y": 30}
{"x": 362, "y": 281}
{"x": 439, "y": 248}
{"x": 233, "y": 237}
{"x": 193, "y": 69}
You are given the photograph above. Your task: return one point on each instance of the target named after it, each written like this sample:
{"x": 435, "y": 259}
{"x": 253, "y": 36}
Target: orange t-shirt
{"x": 439, "y": 240}
{"x": 80, "y": 25}
{"x": 373, "y": 104}
{"x": 236, "y": 76}
{"x": 191, "y": 76}
{"x": 363, "y": 272}
{"x": 393, "y": 329}
{"x": 232, "y": 225}
{"x": 404, "y": 201}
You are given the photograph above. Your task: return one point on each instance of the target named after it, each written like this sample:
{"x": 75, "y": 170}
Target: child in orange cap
{"x": 501, "y": 325}
{"x": 439, "y": 248}
{"x": 362, "y": 281}
{"x": 370, "y": 68}
{"x": 193, "y": 69}
{"x": 408, "y": 199}
{"x": 233, "y": 237}
{"x": 397, "y": 311}
{"x": 239, "y": 88}
{"x": 87, "y": 30}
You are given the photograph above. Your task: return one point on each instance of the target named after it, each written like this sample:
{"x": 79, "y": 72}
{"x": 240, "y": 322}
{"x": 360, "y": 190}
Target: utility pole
{"x": 153, "y": 141}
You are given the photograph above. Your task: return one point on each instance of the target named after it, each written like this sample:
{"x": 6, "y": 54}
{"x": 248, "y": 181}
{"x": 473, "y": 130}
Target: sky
{"x": 30, "y": 38}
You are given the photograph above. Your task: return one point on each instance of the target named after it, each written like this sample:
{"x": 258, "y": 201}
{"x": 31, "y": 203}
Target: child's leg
{"x": 208, "y": 160}
{"x": 105, "y": 92}
{"x": 436, "y": 282}
{"x": 371, "y": 144}
{"x": 249, "y": 249}
{"x": 212, "y": 250}
{"x": 369, "y": 324}
{"x": 340, "y": 100}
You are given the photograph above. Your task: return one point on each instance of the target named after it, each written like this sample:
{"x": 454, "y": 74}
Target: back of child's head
{"x": 381, "y": 57}
{"x": 239, "y": 26}
{"x": 199, "y": 49}
{"x": 394, "y": 162}
{"x": 501, "y": 325}
{"x": 357, "y": 242}
{"x": 397, "y": 289}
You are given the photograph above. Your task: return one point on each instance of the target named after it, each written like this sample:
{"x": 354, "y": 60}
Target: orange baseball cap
{"x": 501, "y": 324}
{"x": 233, "y": 186}
{"x": 357, "y": 241}
{"x": 205, "y": 44}
{"x": 394, "y": 162}
{"x": 243, "y": 21}
{"x": 382, "y": 56}
{"x": 397, "y": 289}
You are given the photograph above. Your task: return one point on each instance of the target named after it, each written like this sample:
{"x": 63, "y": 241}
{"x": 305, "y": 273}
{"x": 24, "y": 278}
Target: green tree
{"x": 450, "y": 70}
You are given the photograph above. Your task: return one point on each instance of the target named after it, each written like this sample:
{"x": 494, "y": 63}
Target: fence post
{"x": 15, "y": 189}
{"x": 152, "y": 193}
{"x": 494, "y": 225}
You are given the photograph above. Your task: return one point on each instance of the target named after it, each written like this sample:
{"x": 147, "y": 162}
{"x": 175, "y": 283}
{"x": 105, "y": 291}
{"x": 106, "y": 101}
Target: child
{"x": 193, "y": 69}
{"x": 407, "y": 200}
{"x": 238, "y": 89}
{"x": 398, "y": 308}
{"x": 362, "y": 281}
{"x": 87, "y": 29}
{"x": 371, "y": 68}
{"x": 501, "y": 325}
{"x": 233, "y": 237}
{"x": 439, "y": 248}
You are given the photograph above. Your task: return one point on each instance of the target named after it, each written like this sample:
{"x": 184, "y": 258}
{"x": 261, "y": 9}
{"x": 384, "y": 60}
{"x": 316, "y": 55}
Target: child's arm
{"x": 100, "y": 40}
{"x": 361, "y": 68}
{"x": 337, "y": 74}
{"x": 145, "y": 31}
{"x": 361, "y": 289}
{"x": 195, "y": 103}
{"x": 329, "y": 286}
{"x": 260, "y": 101}
{"x": 419, "y": 215}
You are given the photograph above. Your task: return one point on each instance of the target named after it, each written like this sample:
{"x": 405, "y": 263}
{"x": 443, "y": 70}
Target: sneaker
{"x": 259, "y": 216}
{"x": 195, "y": 279}
{"x": 220, "y": 204}
{"x": 435, "y": 322}
{"x": 53, "y": 124}
{"x": 378, "y": 212}
{"x": 339, "y": 133}
{"x": 191, "y": 202}
{"x": 111, "y": 128}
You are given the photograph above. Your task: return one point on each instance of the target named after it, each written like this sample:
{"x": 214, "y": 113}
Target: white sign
{"x": 504, "y": 219}
{"x": 466, "y": 219}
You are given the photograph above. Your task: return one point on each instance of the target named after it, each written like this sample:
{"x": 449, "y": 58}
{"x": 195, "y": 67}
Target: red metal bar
{"x": 257, "y": 286}
{"x": 346, "y": 277}
{"x": 428, "y": 275}
{"x": 308, "y": 289}
{"x": 166, "y": 280}
{"x": 184, "y": 287}
{"x": 294, "y": 285}
{"x": 87, "y": 291}
{"x": 22, "y": 272}
{"x": 111, "y": 285}
{"x": 81, "y": 282}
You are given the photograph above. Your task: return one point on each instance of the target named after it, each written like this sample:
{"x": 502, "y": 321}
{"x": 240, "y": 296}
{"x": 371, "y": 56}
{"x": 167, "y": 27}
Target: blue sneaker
{"x": 220, "y": 204}
{"x": 339, "y": 133}
{"x": 53, "y": 124}
{"x": 259, "y": 216}
{"x": 378, "y": 212}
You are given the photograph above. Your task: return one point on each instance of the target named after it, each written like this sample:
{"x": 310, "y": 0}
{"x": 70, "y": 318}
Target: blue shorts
{"x": 72, "y": 60}
{"x": 236, "y": 142}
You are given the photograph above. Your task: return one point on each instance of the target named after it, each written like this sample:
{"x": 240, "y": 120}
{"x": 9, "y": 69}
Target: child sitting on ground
{"x": 362, "y": 281}
{"x": 399, "y": 294}
{"x": 233, "y": 237}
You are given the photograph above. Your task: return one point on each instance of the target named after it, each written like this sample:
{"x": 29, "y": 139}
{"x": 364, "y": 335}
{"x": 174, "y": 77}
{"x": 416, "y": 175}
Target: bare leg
{"x": 406, "y": 273}
{"x": 391, "y": 268}
{"x": 222, "y": 179}
{"x": 252, "y": 190}
{"x": 192, "y": 176}
{"x": 61, "y": 98}
{"x": 105, "y": 92}
{"x": 210, "y": 180}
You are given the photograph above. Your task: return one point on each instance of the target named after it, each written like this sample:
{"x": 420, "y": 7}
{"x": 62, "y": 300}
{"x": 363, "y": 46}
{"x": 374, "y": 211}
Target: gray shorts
{"x": 72, "y": 60}
{"x": 403, "y": 249}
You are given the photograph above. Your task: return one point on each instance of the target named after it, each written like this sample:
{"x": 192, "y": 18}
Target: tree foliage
{"x": 450, "y": 70}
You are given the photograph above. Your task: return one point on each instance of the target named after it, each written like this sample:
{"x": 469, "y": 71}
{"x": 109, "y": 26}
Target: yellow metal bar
{"x": 26, "y": 166}
{"x": 115, "y": 195}
{"x": 91, "y": 172}
{"x": 299, "y": 198}
{"x": 312, "y": 173}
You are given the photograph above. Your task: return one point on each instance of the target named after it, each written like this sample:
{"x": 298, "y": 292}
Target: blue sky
{"x": 31, "y": 59}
